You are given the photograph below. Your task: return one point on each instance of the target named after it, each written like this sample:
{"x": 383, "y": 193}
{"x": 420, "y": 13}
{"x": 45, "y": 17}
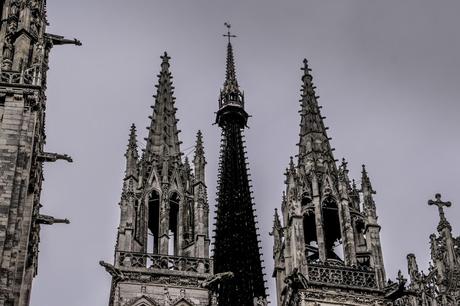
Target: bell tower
{"x": 25, "y": 48}
{"x": 162, "y": 249}
{"x": 327, "y": 248}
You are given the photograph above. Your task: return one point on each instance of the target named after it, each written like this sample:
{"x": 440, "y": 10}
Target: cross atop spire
{"x": 231, "y": 100}
{"x": 228, "y": 35}
{"x": 440, "y": 204}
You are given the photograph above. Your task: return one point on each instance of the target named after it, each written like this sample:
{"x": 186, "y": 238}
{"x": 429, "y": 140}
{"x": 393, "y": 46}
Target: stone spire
{"x": 131, "y": 155}
{"x": 368, "y": 192}
{"x": 445, "y": 232}
{"x": 199, "y": 160}
{"x": 314, "y": 146}
{"x": 163, "y": 137}
{"x": 372, "y": 229}
{"x": 236, "y": 243}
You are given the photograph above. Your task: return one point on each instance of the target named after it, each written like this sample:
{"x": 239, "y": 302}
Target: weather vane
{"x": 229, "y": 35}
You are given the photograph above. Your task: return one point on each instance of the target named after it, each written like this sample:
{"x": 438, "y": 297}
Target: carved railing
{"x": 29, "y": 76}
{"x": 342, "y": 276}
{"x": 165, "y": 262}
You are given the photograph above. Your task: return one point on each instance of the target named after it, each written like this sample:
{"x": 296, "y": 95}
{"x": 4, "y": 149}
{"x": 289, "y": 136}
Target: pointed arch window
{"x": 174, "y": 201}
{"x": 188, "y": 222}
{"x": 332, "y": 228}
{"x": 153, "y": 222}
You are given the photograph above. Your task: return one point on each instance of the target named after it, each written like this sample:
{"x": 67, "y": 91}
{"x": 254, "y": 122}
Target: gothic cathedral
{"x": 327, "y": 248}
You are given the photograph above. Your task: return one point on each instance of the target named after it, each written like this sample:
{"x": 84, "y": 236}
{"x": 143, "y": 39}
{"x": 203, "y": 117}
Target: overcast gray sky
{"x": 388, "y": 73}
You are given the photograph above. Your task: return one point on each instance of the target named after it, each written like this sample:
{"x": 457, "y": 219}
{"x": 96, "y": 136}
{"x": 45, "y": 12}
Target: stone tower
{"x": 441, "y": 285}
{"x": 25, "y": 47}
{"x": 327, "y": 247}
{"x": 236, "y": 246}
{"x": 162, "y": 249}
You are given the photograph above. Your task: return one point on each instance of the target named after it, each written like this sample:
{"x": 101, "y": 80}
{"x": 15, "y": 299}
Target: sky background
{"x": 387, "y": 72}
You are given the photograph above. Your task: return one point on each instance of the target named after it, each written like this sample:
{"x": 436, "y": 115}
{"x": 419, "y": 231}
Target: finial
{"x": 132, "y": 144}
{"x": 440, "y": 204}
{"x": 165, "y": 57}
{"x": 305, "y": 65}
{"x": 344, "y": 164}
{"x": 228, "y": 35}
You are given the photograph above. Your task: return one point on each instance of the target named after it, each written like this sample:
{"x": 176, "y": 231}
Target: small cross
{"x": 440, "y": 205}
{"x": 229, "y": 35}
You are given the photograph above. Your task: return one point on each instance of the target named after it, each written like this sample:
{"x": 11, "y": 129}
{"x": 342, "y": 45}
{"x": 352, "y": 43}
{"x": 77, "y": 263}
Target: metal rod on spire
{"x": 228, "y": 35}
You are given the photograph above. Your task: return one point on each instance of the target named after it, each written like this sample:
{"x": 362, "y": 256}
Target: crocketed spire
{"x": 314, "y": 146}
{"x": 163, "y": 137}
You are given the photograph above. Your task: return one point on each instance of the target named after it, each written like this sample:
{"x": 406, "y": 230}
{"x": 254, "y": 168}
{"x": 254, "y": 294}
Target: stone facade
{"x": 25, "y": 48}
{"x": 162, "y": 250}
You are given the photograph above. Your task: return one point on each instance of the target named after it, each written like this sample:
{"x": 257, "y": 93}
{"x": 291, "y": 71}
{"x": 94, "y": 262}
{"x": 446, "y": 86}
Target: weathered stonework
{"x": 441, "y": 285}
{"x": 24, "y": 53}
{"x": 327, "y": 248}
{"x": 162, "y": 250}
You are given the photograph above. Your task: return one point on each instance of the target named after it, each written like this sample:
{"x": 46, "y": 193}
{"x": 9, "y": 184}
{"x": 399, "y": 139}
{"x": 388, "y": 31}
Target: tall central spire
{"x": 231, "y": 84}
{"x": 231, "y": 100}
{"x": 236, "y": 245}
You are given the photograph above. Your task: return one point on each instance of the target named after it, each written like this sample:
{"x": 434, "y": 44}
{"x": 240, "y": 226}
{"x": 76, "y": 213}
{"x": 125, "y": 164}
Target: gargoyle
{"x": 60, "y": 40}
{"x": 52, "y": 157}
{"x": 116, "y": 273}
{"x": 48, "y": 220}
{"x": 213, "y": 281}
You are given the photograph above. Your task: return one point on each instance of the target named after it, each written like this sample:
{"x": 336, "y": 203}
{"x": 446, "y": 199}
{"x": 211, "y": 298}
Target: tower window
{"x": 311, "y": 241}
{"x": 173, "y": 224}
{"x": 154, "y": 222}
{"x": 332, "y": 229}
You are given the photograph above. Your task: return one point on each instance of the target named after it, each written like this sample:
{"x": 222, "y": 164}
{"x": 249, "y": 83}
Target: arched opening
{"x": 153, "y": 222}
{"x": 173, "y": 224}
{"x": 311, "y": 240}
{"x": 363, "y": 256}
{"x": 332, "y": 229}
{"x": 137, "y": 222}
{"x": 188, "y": 222}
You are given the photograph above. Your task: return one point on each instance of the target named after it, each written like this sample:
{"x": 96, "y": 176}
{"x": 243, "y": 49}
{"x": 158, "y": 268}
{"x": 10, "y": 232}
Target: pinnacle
{"x": 230, "y": 84}
{"x": 199, "y": 148}
{"x": 132, "y": 144}
{"x": 276, "y": 220}
{"x": 365, "y": 181}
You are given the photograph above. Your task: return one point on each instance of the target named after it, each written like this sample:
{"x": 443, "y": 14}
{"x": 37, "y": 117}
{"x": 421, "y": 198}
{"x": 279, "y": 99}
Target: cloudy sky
{"x": 388, "y": 73}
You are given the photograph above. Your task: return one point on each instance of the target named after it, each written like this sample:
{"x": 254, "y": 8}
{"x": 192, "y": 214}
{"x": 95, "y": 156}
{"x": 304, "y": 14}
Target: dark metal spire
{"x": 231, "y": 84}
{"x": 231, "y": 97}
{"x": 236, "y": 243}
